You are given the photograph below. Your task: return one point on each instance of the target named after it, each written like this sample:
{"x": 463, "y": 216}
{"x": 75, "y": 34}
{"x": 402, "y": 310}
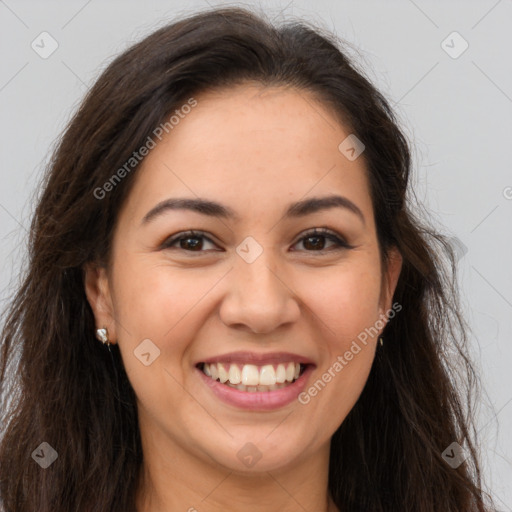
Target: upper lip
{"x": 244, "y": 357}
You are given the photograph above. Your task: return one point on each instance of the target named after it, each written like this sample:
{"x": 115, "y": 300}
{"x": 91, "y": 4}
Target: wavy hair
{"x": 70, "y": 392}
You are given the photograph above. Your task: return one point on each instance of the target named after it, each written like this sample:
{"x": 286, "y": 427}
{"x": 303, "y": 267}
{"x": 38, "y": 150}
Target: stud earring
{"x": 102, "y": 335}
{"x": 381, "y": 341}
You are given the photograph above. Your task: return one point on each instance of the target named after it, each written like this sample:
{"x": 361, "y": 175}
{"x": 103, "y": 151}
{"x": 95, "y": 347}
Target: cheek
{"x": 154, "y": 302}
{"x": 346, "y": 307}
{"x": 345, "y": 303}
{"x": 153, "y": 299}
{"x": 163, "y": 304}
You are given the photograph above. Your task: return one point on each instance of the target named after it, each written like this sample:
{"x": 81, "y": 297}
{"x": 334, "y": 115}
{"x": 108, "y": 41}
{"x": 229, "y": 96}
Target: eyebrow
{"x": 214, "y": 209}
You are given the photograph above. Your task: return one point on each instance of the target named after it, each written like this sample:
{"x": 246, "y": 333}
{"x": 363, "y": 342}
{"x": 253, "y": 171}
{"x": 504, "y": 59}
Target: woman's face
{"x": 255, "y": 294}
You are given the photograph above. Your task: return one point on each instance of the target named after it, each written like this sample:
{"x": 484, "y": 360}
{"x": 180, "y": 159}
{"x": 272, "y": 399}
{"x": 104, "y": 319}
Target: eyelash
{"x": 329, "y": 235}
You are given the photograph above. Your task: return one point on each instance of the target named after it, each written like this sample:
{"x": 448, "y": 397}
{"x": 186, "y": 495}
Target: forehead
{"x": 252, "y": 148}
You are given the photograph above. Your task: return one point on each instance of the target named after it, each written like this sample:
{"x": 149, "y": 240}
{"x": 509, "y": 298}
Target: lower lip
{"x": 258, "y": 400}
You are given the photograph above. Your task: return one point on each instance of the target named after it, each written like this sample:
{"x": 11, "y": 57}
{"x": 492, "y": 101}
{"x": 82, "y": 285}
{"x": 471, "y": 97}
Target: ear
{"x": 390, "y": 279}
{"x": 97, "y": 290}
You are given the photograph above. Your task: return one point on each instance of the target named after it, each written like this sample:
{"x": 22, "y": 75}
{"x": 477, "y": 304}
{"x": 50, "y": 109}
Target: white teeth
{"x": 251, "y": 389}
{"x": 250, "y": 375}
{"x": 235, "y": 377}
{"x": 253, "y": 378}
{"x": 290, "y": 372}
{"x": 223, "y": 374}
{"x": 280, "y": 374}
{"x": 267, "y": 375}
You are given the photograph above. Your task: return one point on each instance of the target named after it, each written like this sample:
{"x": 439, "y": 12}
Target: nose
{"x": 259, "y": 298}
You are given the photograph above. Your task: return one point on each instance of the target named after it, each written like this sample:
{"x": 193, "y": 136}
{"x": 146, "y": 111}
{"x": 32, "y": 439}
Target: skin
{"x": 255, "y": 150}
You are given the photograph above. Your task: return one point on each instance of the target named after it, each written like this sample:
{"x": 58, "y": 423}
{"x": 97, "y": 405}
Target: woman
{"x": 229, "y": 304}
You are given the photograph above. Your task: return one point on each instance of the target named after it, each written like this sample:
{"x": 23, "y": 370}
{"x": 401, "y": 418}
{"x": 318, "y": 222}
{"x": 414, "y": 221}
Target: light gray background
{"x": 457, "y": 111}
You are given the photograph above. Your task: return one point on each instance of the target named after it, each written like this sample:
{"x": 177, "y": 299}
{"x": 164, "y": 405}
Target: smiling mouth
{"x": 253, "y": 378}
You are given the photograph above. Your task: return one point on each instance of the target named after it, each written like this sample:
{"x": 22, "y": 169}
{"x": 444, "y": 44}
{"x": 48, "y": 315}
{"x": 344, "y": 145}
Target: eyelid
{"x": 330, "y": 234}
{"x": 190, "y": 233}
{"x": 338, "y": 240}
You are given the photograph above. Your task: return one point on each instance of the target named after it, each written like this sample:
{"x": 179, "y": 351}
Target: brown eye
{"x": 190, "y": 241}
{"x": 314, "y": 241}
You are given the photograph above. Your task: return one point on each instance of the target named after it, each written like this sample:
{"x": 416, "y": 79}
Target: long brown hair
{"x": 71, "y": 393}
